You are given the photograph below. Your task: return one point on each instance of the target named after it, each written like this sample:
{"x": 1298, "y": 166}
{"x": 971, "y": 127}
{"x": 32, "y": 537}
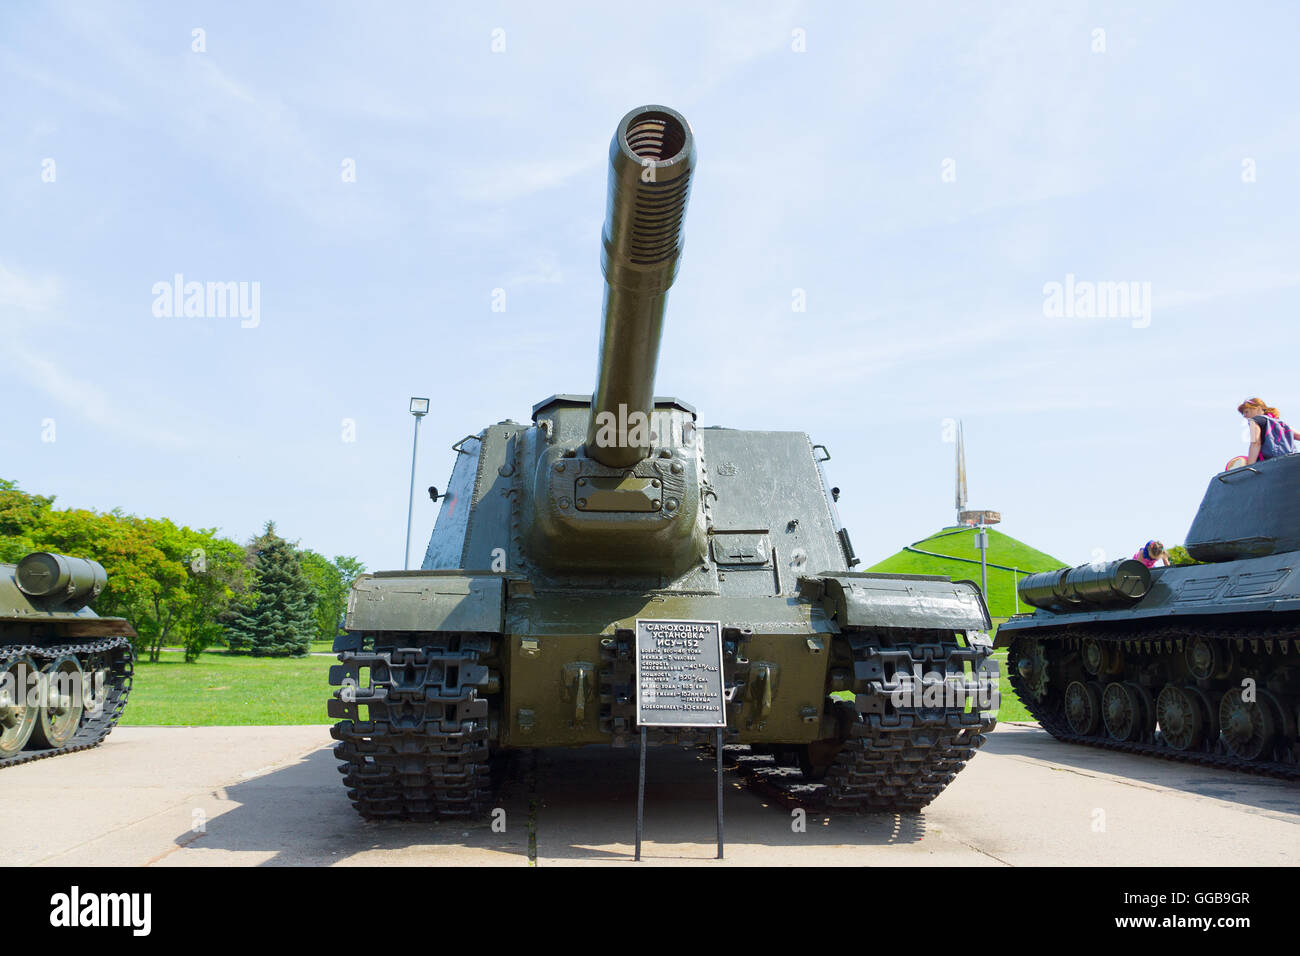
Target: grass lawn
{"x": 222, "y": 689}
{"x": 1011, "y": 708}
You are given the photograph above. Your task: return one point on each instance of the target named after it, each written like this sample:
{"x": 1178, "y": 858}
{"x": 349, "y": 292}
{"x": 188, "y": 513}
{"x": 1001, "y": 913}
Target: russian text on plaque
{"x": 679, "y": 674}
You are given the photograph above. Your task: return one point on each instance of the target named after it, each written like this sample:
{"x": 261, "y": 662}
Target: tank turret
{"x": 1248, "y": 512}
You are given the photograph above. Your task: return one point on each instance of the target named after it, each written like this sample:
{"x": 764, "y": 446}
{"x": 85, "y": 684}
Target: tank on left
{"x": 65, "y": 672}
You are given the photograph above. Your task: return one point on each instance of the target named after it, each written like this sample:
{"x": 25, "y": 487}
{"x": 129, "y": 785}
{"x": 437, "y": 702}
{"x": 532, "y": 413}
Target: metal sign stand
{"x": 717, "y": 746}
{"x": 640, "y": 799}
{"x": 679, "y": 684}
{"x": 640, "y": 795}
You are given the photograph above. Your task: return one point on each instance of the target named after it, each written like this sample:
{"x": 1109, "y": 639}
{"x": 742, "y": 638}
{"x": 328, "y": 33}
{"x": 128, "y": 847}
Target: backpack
{"x": 1275, "y": 437}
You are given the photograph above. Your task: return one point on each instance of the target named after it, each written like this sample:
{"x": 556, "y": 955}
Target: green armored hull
{"x": 65, "y": 672}
{"x": 557, "y": 536}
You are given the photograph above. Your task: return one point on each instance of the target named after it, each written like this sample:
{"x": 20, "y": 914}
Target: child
{"x": 1151, "y": 552}
{"x": 1270, "y": 437}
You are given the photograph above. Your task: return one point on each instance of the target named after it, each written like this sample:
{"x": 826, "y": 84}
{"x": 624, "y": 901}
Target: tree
{"x": 167, "y": 592}
{"x": 183, "y": 585}
{"x": 218, "y": 578}
{"x": 21, "y": 516}
{"x": 331, "y": 582}
{"x": 349, "y": 569}
{"x": 169, "y": 580}
{"x": 1178, "y": 556}
{"x": 145, "y": 573}
{"x": 277, "y": 618}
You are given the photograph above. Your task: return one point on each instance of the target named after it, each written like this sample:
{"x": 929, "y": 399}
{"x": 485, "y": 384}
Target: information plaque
{"x": 679, "y": 674}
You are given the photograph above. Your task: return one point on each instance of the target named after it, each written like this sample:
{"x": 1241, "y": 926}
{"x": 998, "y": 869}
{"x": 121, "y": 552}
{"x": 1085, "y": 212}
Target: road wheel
{"x": 61, "y": 703}
{"x": 1083, "y": 708}
{"x": 1248, "y": 727}
{"x": 1146, "y": 712}
{"x": 19, "y": 689}
{"x": 1179, "y": 714}
{"x": 1120, "y": 711}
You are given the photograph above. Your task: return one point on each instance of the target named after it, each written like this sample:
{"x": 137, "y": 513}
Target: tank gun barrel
{"x": 1117, "y": 584}
{"x": 651, "y": 159}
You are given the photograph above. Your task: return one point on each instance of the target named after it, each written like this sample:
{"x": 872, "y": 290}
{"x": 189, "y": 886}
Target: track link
{"x": 423, "y": 752}
{"x": 900, "y": 756}
{"x": 1050, "y": 713}
{"x": 113, "y": 653}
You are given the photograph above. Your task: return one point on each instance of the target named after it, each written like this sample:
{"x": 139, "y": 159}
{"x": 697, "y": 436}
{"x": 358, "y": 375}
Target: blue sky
{"x": 476, "y": 170}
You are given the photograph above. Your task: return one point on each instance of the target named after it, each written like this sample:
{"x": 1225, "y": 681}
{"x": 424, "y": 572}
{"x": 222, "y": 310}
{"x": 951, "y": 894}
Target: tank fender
{"x": 426, "y": 601}
{"x": 899, "y": 600}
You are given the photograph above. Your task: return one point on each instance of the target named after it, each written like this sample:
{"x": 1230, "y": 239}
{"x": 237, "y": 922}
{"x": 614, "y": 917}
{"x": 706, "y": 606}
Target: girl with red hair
{"x": 1270, "y": 437}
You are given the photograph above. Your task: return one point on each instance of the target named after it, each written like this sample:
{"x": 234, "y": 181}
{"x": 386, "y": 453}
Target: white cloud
{"x": 87, "y": 97}
{"x": 22, "y": 292}
{"x": 89, "y": 400}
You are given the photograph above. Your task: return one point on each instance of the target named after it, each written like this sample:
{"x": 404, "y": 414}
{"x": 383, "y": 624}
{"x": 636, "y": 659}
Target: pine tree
{"x": 277, "y": 619}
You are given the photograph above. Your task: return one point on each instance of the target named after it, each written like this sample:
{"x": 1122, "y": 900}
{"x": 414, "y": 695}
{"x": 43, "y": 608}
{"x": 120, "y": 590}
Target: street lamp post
{"x": 419, "y": 408}
{"x": 982, "y": 542}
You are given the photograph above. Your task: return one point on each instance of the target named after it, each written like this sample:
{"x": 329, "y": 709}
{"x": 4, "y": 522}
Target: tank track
{"x": 902, "y": 757}
{"x": 1166, "y": 640}
{"x": 423, "y": 754}
{"x": 92, "y": 730}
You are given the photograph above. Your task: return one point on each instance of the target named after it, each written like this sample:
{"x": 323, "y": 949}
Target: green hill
{"x": 952, "y": 553}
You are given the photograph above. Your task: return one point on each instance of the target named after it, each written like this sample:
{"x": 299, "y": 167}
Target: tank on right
{"x": 1193, "y": 662}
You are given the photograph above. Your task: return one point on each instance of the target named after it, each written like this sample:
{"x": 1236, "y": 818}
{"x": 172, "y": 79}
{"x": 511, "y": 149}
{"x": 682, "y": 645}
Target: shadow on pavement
{"x": 300, "y": 813}
{"x": 587, "y": 810}
{"x": 580, "y": 804}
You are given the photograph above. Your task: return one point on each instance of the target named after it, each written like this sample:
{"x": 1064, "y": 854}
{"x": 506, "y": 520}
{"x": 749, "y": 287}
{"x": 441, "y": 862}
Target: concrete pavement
{"x": 245, "y": 796}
